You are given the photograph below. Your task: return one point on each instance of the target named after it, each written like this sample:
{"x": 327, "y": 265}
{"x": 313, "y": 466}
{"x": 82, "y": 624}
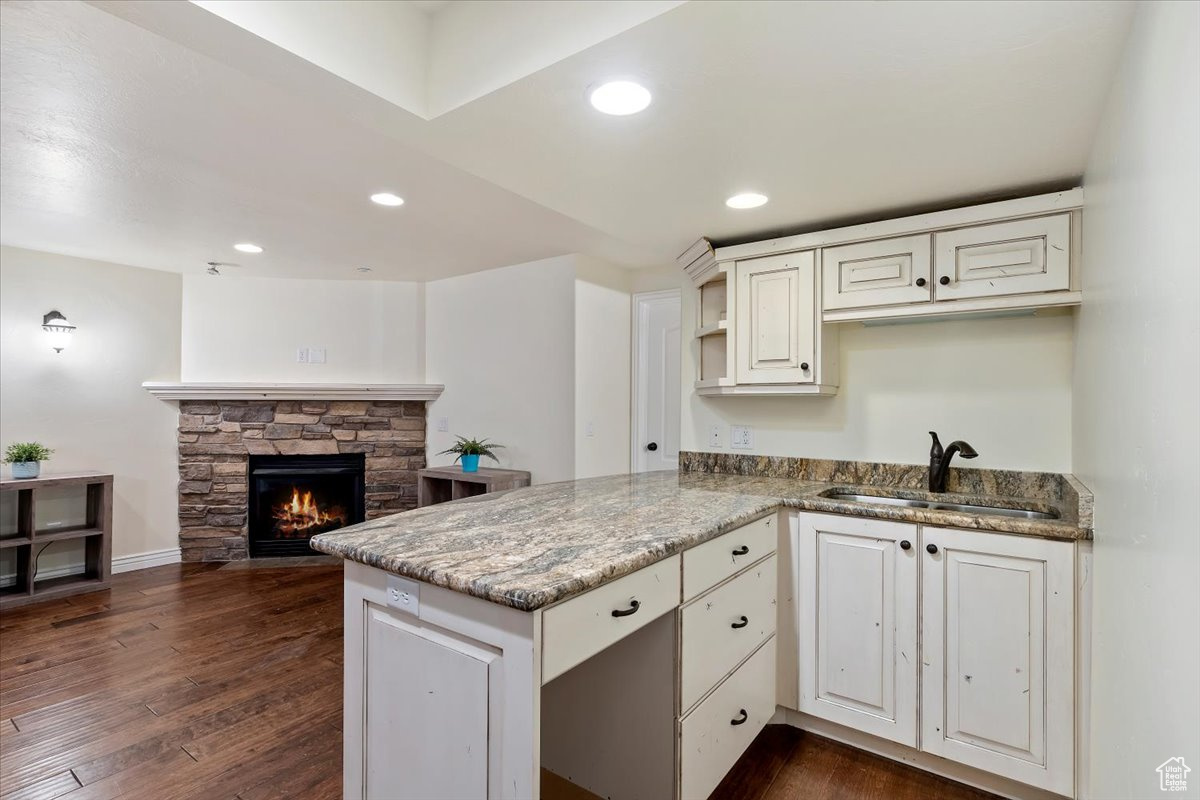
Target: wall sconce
{"x": 58, "y": 329}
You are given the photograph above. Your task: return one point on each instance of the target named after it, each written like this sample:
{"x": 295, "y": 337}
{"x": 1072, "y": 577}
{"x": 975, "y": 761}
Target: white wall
{"x": 602, "y": 368}
{"x": 1137, "y": 397}
{"x": 248, "y": 329}
{"x": 87, "y": 402}
{"x": 502, "y": 342}
{"x": 390, "y": 52}
{"x": 1003, "y": 384}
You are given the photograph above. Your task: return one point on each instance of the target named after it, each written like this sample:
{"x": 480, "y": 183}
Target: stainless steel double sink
{"x": 939, "y": 505}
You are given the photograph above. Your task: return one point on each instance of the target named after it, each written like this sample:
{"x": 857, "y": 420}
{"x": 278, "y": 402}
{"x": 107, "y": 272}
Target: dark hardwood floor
{"x": 196, "y": 681}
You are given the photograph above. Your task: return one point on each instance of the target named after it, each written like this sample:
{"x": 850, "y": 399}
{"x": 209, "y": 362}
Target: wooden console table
{"x": 439, "y": 484}
{"x": 29, "y": 539}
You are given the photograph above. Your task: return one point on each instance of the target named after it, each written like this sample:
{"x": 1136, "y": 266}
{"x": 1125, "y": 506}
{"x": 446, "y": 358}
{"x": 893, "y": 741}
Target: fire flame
{"x": 302, "y": 513}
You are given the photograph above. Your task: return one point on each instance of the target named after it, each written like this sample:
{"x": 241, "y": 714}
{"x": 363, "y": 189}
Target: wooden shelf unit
{"x": 29, "y": 540}
{"x": 442, "y": 484}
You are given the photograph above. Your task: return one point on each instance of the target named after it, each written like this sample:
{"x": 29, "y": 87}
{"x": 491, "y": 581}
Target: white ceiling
{"x": 158, "y": 134}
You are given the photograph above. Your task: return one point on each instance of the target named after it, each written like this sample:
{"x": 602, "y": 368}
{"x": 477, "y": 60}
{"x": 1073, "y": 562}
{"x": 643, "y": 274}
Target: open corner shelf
{"x": 29, "y": 540}
{"x": 442, "y": 484}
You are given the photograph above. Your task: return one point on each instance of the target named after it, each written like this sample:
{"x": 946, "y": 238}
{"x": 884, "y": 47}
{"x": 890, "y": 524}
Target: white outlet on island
{"x": 741, "y": 437}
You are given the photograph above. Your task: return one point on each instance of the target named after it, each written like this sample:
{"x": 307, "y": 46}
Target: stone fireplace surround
{"x": 216, "y": 438}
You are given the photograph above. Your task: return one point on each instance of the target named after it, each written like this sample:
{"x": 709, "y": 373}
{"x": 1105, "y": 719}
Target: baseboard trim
{"x": 129, "y": 563}
{"x": 150, "y": 558}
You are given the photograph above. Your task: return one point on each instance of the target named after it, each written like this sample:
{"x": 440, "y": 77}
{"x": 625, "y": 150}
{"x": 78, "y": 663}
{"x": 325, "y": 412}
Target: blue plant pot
{"x": 31, "y": 469}
{"x": 469, "y": 463}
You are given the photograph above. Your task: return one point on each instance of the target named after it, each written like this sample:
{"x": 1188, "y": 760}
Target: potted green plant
{"x": 26, "y": 458}
{"x": 469, "y": 451}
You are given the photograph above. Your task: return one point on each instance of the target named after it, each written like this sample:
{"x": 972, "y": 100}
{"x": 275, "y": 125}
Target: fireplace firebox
{"x": 293, "y": 498}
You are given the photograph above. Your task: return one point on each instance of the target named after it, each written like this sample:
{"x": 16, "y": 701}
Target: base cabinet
{"x": 958, "y": 643}
{"x": 998, "y": 654}
{"x": 858, "y": 624}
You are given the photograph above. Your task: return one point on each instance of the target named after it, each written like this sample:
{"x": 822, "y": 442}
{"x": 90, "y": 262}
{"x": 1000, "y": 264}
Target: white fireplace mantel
{"x": 294, "y": 391}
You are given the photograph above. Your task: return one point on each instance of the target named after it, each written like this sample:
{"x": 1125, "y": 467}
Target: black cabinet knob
{"x": 944, "y": 280}
{"x": 652, "y": 446}
{"x": 741, "y": 551}
{"x": 931, "y": 548}
{"x": 906, "y": 545}
{"x": 742, "y": 717}
{"x": 741, "y": 623}
{"x": 920, "y": 281}
{"x": 634, "y": 605}
{"x": 804, "y": 366}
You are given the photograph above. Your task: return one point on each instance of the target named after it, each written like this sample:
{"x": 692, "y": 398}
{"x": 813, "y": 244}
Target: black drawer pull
{"x": 745, "y": 717}
{"x": 741, "y": 551}
{"x": 634, "y": 605}
{"x": 743, "y": 623}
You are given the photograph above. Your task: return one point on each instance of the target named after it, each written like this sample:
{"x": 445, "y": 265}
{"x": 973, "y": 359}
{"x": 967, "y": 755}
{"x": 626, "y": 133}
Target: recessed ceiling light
{"x": 362, "y": 269}
{"x": 387, "y": 199}
{"x": 620, "y": 98}
{"x": 246, "y": 247}
{"x": 746, "y": 200}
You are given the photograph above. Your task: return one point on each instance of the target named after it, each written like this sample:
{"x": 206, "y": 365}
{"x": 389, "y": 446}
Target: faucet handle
{"x": 936, "y": 450}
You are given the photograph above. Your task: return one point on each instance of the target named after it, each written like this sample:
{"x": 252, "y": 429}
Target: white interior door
{"x": 657, "y": 339}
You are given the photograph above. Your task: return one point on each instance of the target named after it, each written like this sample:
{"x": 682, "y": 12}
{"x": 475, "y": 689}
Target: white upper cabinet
{"x": 997, "y": 654}
{"x": 776, "y": 319}
{"x": 1022, "y": 257}
{"x": 857, "y": 606}
{"x": 884, "y": 272}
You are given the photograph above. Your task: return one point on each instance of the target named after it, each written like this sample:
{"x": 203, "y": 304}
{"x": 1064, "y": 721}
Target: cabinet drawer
{"x": 881, "y": 273}
{"x": 722, "y": 627}
{"x": 585, "y": 625}
{"x": 709, "y": 741}
{"x": 706, "y": 565}
{"x": 1022, "y": 257}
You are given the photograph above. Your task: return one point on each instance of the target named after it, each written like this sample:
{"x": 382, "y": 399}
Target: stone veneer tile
{"x": 217, "y": 438}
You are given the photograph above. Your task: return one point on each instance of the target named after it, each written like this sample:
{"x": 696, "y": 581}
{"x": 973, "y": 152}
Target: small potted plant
{"x": 25, "y": 458}
{"x": 469, "y": 451}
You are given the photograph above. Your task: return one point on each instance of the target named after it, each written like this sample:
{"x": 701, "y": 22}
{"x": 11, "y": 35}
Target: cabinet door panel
{"x": 879, "y": 273}
{"x": 426, "y": 697}
{"x": 998, "y": 655}
{"x": 776, "y": 319}
{"x": 858, "y": 624}
{"x": 1022, "y": 257}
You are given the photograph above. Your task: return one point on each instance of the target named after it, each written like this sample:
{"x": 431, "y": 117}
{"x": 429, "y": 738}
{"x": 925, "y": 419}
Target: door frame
{"x": 637, "y": 411}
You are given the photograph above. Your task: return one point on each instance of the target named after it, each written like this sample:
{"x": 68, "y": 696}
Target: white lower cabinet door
{"x": 857, "y": 608}
{"x": 997, "y": 669}
{"x": 425, "y": 710}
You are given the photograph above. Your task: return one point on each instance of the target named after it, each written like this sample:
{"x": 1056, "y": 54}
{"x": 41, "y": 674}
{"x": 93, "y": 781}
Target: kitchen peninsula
{"x": 634, "y": 633}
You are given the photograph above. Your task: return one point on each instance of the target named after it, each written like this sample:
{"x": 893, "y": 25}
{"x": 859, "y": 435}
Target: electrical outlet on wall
{"x": 443, "y": 424}
{"x": 589, "y": 430}
{"x": 316, "y": 355}
{"x": 714, "y": 436}
{"x": 301, "y": 355}
{"x": 741, "y": 437}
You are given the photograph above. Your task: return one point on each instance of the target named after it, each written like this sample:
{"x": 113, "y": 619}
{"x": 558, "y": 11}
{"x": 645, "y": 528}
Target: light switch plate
{"x": 714, "y": 436}
{"x": 316, "y": 355}
{"x": 404, "y": 595}
{"x": 741, "y": 437}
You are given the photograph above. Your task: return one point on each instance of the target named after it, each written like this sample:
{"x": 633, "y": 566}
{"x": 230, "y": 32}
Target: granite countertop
{"x": 535, "y": 546}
